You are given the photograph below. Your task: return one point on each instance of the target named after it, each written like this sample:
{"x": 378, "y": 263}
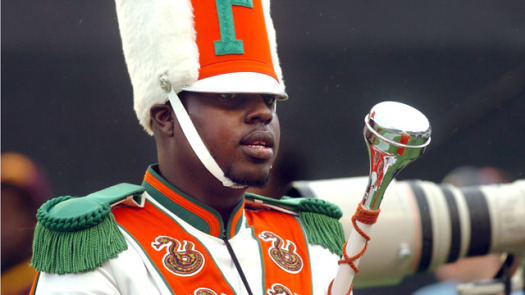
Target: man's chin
{"x": 251, "y": 183}
{"x": 258, "y": 182}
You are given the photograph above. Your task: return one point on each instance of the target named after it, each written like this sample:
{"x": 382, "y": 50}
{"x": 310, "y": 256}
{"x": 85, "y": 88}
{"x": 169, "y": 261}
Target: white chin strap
{"x": 195, "y": 140}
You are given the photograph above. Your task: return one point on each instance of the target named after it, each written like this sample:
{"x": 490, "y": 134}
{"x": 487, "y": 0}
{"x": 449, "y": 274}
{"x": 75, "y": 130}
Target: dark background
{"x": 67, "y": 98}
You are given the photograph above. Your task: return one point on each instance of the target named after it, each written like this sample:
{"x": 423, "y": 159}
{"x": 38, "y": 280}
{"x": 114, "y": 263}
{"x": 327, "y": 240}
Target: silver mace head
{"x": 396, "y": 134}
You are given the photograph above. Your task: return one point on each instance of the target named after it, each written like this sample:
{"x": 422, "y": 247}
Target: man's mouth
{"x": 258, "y": 145}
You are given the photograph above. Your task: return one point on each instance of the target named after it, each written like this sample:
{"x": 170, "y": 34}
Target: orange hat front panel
{"x": 232, "y": 37}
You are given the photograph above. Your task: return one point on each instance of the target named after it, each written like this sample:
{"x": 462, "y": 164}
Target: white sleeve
{"x": 324, "y": 268}
{"x": 126, "y": 274}
{"x": 98, "y": 281}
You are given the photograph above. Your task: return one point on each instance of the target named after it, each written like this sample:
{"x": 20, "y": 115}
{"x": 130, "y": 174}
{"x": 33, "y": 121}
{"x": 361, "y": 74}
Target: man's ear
{"x": 162, "y": 119}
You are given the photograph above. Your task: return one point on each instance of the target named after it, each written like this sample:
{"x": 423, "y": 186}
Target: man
{"x": 206, "y": 80}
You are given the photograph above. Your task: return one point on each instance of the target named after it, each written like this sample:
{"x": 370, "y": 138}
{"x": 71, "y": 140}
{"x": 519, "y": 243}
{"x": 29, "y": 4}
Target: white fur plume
{"x": 158, "y": 37}
{"x": 272, "y": 39}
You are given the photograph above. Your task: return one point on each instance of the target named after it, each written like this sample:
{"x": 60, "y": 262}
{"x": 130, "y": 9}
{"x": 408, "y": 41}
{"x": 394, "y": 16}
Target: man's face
{"x": 241, "y": 131}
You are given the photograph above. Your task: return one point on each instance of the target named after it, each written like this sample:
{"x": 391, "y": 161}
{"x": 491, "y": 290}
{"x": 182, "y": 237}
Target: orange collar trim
{"x": 198, "y": 214}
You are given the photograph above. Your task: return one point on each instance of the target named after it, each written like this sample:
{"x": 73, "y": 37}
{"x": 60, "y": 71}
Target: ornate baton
{"x": 396, "y": 134}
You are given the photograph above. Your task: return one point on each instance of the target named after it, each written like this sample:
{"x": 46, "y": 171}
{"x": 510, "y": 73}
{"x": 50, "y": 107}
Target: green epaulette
{"x": 78, "y": 234}
{"x": 320, "y": 218}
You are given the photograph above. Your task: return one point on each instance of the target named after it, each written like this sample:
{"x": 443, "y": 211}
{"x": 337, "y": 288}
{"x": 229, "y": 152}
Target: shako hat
{"x": 218, "y": 46}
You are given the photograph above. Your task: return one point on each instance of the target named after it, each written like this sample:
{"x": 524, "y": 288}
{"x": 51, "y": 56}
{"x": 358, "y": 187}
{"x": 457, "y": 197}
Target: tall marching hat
{"x": 214, "y": 46}
{"x": 218, "y": 46}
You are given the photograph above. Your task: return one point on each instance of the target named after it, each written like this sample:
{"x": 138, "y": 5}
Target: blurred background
{"x": 67, "y": 98}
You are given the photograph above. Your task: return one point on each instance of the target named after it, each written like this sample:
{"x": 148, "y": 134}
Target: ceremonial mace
{"x": 396, "y": 134}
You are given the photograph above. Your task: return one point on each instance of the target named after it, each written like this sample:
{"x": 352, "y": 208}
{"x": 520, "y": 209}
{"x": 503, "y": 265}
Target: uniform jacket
{"x": 178, "y": 245}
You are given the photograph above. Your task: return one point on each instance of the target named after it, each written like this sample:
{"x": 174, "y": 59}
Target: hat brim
{"x": 240, "y": 82}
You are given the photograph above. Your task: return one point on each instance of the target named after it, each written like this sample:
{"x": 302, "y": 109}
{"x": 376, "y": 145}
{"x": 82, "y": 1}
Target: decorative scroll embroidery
{"x": 205, "y": 291}
{"x": 180, "y": 260}
{"x": 286, "y": 258}
{"x": 278, "y": 289}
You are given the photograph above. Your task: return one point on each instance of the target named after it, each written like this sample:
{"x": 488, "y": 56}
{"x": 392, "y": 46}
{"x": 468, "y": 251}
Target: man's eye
{"x": 227, "y": 96}
{"x": 269, "y": 99}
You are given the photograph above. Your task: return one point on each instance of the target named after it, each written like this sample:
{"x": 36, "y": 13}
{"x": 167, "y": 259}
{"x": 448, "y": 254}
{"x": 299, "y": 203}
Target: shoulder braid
{"x": 78, "y": 234}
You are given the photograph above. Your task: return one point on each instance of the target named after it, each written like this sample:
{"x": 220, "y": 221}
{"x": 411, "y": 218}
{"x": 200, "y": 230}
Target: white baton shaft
{"x": 345, "y": 273}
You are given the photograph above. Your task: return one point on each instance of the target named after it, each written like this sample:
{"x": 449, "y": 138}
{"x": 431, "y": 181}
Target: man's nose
{"x": 260, "y": 111}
